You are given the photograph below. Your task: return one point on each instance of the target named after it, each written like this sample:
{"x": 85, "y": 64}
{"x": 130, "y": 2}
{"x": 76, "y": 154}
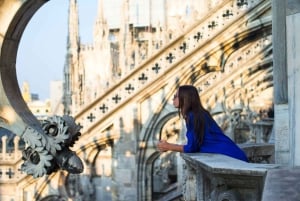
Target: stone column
{"x": 293, "y": 66}
{"x": 286, "y": 45}
{"x": 281, "y": 120}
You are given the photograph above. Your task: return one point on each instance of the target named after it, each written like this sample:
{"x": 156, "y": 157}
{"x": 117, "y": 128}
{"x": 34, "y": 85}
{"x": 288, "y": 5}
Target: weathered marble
{"x": 293, "y": 64}
{"x": 221, "y": 177}
{"x": 282, "y": 184}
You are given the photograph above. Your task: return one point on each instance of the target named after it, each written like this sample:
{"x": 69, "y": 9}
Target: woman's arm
{"x": 165, "y": 146}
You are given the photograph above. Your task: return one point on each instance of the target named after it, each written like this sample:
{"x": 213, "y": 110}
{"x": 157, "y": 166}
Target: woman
{"x": 203, "y": 133}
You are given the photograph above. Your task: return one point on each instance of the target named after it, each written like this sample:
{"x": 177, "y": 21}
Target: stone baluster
{"x": 4, "y": 139}
{"x": 16, "y": 146}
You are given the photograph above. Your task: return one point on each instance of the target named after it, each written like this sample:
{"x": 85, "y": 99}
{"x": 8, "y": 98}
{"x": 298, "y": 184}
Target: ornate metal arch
{"x": 48, "y": 141}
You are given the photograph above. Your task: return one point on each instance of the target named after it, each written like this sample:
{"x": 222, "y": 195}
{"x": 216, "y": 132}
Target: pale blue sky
{"x": 42, "y": 50}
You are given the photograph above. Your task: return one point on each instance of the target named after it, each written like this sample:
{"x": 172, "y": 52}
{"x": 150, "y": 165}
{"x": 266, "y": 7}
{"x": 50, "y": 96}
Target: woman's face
{"x": 176, "y": 99}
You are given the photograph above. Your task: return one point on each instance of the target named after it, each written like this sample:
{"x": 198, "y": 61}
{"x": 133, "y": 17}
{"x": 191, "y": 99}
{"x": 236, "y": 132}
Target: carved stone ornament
{"x": 50, "y": 152}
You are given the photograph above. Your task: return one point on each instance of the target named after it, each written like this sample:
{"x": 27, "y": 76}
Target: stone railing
{"x": 259, "y": 152}
{"x": 218, "y": 177}
{"x": 262, "y": 130}
{"x": 7, "y": 153}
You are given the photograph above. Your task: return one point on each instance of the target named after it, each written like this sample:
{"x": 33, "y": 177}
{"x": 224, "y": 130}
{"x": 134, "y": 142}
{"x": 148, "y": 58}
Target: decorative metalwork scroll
{"x": 48, "y": 153}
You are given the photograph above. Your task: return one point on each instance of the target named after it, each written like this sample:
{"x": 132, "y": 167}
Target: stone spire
{"x": 124, "y": 40}
{"x": 73, "y": 29}
{"x": 101, "y": 29}
{"x": 26, "y": 92}
{"x": 72, "y": 58}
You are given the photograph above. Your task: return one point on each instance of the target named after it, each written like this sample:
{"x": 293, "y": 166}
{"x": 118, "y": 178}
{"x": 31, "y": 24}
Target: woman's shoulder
{"x": 205, "y": 114}
{"x": 190, "y": 116}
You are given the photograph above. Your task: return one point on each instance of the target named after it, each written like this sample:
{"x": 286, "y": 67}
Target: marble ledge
{"x": 222, "y": 164}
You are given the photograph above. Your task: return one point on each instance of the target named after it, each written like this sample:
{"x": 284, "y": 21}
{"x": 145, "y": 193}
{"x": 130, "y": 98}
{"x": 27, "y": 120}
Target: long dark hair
{"x": 189, "y": 101}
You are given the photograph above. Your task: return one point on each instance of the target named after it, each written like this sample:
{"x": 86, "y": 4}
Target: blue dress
{"x": 214, "y": 140}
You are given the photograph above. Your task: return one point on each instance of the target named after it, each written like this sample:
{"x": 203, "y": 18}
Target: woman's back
{"x": 214, "y": 140}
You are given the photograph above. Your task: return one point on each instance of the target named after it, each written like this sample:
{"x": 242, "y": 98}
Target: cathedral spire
{"x": 101, "y": 28}
{"x": 100, "y": 12}
{"x": 124, "y": 40}
{"x": 73, "y": 28}
{"x": 71, "y": 65}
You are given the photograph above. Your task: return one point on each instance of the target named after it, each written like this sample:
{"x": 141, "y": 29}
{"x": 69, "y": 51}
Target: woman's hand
{"x": 162, "y": 145}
